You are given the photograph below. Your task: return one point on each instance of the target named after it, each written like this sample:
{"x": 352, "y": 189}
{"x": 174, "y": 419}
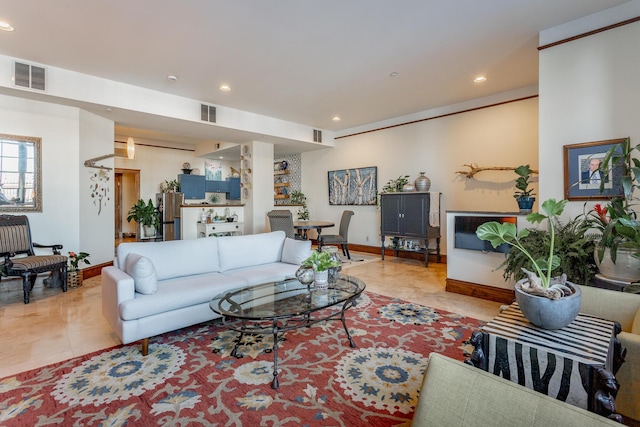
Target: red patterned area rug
{"x": 190, "y": 378}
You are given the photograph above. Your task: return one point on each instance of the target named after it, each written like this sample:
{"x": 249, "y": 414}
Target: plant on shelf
{"x": 298, "y": 198}
{"x": 146, "y": 215}
{"x": 76, "y": 258}
{"x": 171, "y": 186}
{"x": 524, "y": 194}
{"x": 395, "y": 185}
{"x": 320, "y": 261}
{"x": 563, "y": 298}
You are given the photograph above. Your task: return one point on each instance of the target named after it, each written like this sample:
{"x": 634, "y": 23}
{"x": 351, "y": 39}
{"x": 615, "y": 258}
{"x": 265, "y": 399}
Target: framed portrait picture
{"x": 583, "y": 180}
{"x": 353, "y": 186}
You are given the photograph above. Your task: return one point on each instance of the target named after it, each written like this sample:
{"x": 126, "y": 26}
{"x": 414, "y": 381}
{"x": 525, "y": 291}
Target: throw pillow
{"x": 143, "y": 273}
{"x": 295, "y": 251}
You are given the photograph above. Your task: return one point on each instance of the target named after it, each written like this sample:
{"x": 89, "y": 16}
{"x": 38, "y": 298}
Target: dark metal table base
{"x": 282, "y": 325}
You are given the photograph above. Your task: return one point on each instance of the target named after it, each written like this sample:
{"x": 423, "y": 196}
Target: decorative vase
{"x": 305, "y": 275}
{"x": 74, "y": 278}
{"x": 408, "y": 187}
{"x": 525, "y": 204}
{"x": 149, "y": 230}
{"x": 422, "y": 183}
{"x": 547, "y": 313}
{"x": 625, "y": 269}
{"x": 321, "y": 279}
{"x": 334, "y": 272}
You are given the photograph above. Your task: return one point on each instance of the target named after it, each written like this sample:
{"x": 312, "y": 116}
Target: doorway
{"x": 127, "y": 193}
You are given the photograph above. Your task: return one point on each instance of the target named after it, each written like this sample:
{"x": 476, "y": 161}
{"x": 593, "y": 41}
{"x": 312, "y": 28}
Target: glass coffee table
{"x": 277, "y": 307}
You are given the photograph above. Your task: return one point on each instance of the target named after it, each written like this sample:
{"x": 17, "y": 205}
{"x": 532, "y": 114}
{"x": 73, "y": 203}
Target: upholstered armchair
{"x": 16, "y": 248}
{"x": 624, "y": 308}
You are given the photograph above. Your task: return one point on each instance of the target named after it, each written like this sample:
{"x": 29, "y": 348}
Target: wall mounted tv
{"x": 465, "y": 232}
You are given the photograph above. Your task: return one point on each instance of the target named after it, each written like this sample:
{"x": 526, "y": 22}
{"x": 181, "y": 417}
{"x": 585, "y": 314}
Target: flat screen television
{"x": 465, "y": 232}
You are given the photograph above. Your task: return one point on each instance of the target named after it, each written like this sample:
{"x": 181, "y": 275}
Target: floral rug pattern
{"x": 190, "y": 378}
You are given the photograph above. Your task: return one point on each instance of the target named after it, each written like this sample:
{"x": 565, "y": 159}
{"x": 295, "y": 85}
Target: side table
{"x": 575, "y": 364}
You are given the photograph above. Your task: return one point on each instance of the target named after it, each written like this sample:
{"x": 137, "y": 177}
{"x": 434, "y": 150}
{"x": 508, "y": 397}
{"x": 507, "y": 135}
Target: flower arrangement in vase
{"x": 74, "y": 274}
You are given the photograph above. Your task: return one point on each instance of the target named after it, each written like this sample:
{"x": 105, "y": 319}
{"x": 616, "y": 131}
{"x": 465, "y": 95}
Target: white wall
{"x": 96, "y": 217}
{"x": 503, "y": 135}
{"x": 589, "y": 91}
{"x": 58, "y": 128}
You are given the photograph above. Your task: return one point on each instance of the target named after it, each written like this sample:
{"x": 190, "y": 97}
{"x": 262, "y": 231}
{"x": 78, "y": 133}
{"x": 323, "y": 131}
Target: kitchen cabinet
{"x": 234, "y": 189}
{"x": 219, "y": 229}
{"x": 216, "y": 186}
{"x": 406, "y": 216}
{"x": 193, "y": 186}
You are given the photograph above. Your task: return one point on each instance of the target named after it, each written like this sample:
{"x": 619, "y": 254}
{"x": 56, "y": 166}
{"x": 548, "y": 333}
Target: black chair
{"x": 340, "y": 239}
{"x": 282, "y": 220}
{"x": 20, "y": 259}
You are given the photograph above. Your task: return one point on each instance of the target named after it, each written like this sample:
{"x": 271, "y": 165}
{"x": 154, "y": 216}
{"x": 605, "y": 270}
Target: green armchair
{"x": 625, "y": 309}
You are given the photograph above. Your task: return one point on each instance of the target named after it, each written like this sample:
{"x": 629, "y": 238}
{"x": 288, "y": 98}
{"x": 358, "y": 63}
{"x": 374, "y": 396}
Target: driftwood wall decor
{"x": 474, "y": 169}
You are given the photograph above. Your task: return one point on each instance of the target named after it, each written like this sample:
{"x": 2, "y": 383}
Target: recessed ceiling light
{"x": 172, "y": 77}
{"x": 393, "y": 74}
{"x": 221, "y": 157}
{"x": 224, "y": 88}
{"x": 480, "y": 79}
{"x": 5, "y": 26}
{"x": 336, "y": 118}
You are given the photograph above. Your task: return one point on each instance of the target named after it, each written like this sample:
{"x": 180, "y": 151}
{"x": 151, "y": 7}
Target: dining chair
{"x": 342, "y": 238}
{"x": 282, "y": 220}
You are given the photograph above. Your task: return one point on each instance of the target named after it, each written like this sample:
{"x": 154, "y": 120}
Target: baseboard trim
{"x": 491, "y": 293}
{"x": 94, "y": 270}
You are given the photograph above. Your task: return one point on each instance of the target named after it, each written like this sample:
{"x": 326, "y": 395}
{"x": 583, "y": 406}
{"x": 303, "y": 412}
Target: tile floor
{"x": 57, "y": 326}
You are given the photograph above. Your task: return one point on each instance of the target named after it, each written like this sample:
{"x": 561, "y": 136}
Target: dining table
{"x": 303, "y": 227}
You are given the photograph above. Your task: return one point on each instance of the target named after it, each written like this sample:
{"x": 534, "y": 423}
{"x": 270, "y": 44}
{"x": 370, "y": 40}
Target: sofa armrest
{"x": 612, "y": 305}
{"x": 117, "y": 286}
{"x": 627, "y": 402}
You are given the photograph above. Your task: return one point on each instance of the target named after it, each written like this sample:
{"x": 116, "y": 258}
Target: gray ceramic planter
{"x": 547, "y": 313}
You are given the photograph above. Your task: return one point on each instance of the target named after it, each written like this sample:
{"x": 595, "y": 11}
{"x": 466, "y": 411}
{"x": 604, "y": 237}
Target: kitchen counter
{"x": 210, "y": 205}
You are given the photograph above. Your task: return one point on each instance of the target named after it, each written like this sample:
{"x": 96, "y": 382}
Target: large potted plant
{"x": 618, "y": 252}
{"x": 146, "y": 215}
{"x": 524, "y": 194}
{"x": 548, "y": 302}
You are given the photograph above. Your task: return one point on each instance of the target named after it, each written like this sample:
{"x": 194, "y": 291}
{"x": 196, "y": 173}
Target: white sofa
{"x": 157, "y": 287}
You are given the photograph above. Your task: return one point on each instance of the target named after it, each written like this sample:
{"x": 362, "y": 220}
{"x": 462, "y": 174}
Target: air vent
{"x": 317, "y": 135}
{"x": 207, "y": 113}
{"x": 29, "y": 76}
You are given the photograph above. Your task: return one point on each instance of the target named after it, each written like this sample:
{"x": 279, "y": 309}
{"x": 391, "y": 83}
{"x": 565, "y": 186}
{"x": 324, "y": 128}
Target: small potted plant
{"x": 74, "y": 274}
{"x": 146, "y": 215}
{"x": 524, "y": 195}
{"x": 550, "y": 303}
{"x": 321, "y": 262}
{"x": 298, "y": 198}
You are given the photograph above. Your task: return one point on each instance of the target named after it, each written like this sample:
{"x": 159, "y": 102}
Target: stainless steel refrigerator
{"x": 168, "y": 205}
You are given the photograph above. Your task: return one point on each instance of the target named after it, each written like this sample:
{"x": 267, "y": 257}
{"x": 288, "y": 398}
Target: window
{"x": 20, "y": 188}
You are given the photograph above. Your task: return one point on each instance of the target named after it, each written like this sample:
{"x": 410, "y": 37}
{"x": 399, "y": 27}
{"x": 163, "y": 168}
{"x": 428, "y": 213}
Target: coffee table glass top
{"x": 284, "y": 299}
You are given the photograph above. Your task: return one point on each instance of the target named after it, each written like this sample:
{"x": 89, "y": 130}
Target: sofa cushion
{"x": 274, "y": 272}
{"x": 295, "y": 251}
{"x": 249, "y": 250}
{"x": 143, "y": 273}
{"x": 176, "y": 258}
{"x": 178, "y": 293}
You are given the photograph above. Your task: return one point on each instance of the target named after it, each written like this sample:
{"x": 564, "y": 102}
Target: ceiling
{"x": 297, "y": 60}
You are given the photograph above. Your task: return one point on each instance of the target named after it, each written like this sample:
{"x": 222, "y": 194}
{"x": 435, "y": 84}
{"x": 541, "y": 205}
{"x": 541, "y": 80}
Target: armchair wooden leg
{"x": 145, "y": 346}
{"x": 26, "y": 288}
